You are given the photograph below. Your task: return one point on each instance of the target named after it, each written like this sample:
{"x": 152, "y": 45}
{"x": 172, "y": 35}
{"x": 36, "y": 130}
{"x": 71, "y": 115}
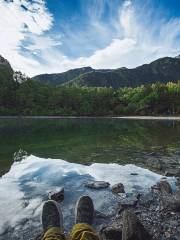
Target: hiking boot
{"x": 51, "y": 215}
{"x": 84, "y": 210}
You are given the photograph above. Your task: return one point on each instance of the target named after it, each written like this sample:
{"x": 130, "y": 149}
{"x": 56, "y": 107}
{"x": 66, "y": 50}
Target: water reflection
{"x": 26, "y": 186}
{"x": 90, "y": 140}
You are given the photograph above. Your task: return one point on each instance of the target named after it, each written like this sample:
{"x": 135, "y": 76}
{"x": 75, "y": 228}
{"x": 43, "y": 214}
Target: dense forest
{"x": 36, "y": 98}
{"x": 20, "y": 95}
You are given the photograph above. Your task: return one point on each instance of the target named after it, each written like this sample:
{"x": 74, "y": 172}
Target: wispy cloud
{"x": 127, "y": 37}
{"x": 139, "y": 41}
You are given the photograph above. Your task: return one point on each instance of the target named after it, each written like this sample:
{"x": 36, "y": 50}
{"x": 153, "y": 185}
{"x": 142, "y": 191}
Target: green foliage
{"x": 35, "y": 98}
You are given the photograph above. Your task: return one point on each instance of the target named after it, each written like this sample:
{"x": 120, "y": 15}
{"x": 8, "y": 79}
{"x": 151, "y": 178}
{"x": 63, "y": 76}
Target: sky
{"x": 52, "y": 36}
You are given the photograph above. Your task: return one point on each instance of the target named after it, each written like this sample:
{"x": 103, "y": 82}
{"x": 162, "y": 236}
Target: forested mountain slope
{"x": 162, "y": 70}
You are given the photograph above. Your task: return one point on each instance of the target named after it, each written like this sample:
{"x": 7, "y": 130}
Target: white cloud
{"x": 42, "y": 42}
{"x": 137, "y": 38}
{"x": 21, "y": 19}
{"x": 138, "y": 42}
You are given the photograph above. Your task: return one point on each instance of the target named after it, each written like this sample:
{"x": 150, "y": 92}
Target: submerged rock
{"x": 96, "y": 184}
{"x": 133, "y": 228}
{"x": 134, "y": 174}
{"x": 118, "y": 188}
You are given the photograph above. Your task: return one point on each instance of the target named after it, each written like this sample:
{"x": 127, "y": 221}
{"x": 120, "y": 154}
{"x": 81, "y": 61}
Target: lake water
{"x": 41, "y": 155}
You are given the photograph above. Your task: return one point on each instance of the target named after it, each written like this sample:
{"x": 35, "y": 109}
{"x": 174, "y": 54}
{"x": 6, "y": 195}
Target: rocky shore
{"x": 136, "y": 215}
{"x": 154, "y": 215}
{"x": 158, "y": 211}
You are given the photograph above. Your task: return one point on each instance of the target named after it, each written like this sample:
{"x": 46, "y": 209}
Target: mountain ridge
{"x": 161, "y": 70}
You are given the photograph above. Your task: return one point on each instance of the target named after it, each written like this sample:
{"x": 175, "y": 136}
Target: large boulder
{"x": 118, "y": 188}
{"x": 133, "y": 228}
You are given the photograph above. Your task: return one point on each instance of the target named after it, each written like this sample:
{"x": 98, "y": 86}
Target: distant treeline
{"x": 35, "y": 98}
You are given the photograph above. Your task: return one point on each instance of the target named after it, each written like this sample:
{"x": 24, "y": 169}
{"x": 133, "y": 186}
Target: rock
{"x": 173, "y": 172}
{"x": 133, "y": 228}
{"x": 167, "y": 234}
{"x": 155, "y": 163}
{"x": 128, "y": 203}
{"x": 134, "y": 174}
{"x": 146, "y": 200}
{"x": 118, "y": 188}
{"x": 178, "y": 181}
{"x": 163, "y": 187}
{"x": 171, "y": 203}
{"x": 96, "y": 184}
{"x": 154, "y": 154}
{"x": 111, "y": 233}
{"x": 57, "y": 196}
{"x": 176, "y": 202}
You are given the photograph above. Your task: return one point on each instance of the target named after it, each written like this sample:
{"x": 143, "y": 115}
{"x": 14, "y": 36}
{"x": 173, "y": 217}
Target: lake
{"x": 40, "y": 155}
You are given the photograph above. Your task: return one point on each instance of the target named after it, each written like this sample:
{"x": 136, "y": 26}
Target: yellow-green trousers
{"x": 80, "y": 231}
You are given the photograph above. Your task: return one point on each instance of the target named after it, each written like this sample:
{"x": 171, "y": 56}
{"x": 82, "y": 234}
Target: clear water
{"x": 68, "y": 152}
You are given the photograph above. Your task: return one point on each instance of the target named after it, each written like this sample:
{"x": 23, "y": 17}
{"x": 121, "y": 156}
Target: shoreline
{"x": 169, "y": 118}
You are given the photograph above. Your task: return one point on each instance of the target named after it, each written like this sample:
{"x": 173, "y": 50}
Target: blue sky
{"x": 56, "y": 35}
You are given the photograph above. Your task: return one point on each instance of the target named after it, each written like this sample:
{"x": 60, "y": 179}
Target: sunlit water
{"x": 107, "y": 150}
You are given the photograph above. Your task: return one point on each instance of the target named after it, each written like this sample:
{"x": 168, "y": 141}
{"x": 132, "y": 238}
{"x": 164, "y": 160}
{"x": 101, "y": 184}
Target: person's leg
{"x": 83, "y": 231}
{"x": 52, "y": 221}
{"x": 84, "y": 213}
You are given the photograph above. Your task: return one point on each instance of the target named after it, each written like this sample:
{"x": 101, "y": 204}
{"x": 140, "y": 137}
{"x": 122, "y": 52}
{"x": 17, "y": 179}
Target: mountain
{"x": 61, "y": 78}
{"x": 162, "y": 70}
{"x": 6, "y": 71}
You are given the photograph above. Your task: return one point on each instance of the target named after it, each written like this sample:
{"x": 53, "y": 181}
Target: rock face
{"x": 57, "y": 196}
{"x": 118, "y": 188}
{"x": 96, "y": 184}
{"x": 132, "y": 227}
